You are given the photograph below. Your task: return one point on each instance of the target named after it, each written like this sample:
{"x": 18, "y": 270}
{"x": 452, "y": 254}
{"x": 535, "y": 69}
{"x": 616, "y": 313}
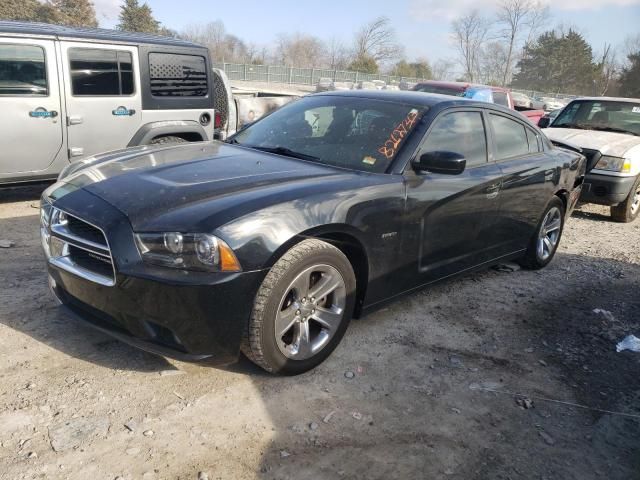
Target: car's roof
{"x": 60, "y": 31}
{"x": 608, "y": 99}
{"x": 415, "y": 98}
{"x": 461, "y": 86}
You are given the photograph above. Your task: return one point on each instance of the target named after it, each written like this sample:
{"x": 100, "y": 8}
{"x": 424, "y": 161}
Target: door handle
{"x": 123, "y": 112}
{"x": 74, "y": 120}
{"x": 41, "y": 112}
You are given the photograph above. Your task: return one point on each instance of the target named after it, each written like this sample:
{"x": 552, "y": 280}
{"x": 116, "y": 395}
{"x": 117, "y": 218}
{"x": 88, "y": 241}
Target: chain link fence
{"x": 310, "y": 76}
{"x": 301, "y": 76}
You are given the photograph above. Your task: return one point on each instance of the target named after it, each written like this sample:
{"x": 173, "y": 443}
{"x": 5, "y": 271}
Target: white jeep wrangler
{"x": 69, "y": 93}
{"x": 608, "y": 132}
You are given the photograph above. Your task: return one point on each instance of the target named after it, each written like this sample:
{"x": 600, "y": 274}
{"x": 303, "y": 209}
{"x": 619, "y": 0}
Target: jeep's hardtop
{"x": 61, "y": 32}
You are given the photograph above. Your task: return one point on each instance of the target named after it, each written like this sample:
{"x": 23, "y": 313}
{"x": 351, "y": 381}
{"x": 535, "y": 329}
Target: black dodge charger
{"x": 322, "y": 211}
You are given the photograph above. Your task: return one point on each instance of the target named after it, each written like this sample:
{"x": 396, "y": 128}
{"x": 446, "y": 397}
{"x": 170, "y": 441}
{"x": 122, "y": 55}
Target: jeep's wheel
{"x": 302, "y": 309}
{"x": 628, "y": 210}
{"x": 544, "y": 243}
{"x": 168, "y": 139}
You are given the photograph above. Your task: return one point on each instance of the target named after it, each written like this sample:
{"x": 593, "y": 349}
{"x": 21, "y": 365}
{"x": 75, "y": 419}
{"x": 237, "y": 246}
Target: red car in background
{"x": 484, "y": 93}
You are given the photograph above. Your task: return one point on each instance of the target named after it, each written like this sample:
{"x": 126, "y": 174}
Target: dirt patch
{"x": 431, "y": 393}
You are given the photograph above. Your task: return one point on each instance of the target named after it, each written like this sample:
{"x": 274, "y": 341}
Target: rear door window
{"x": 459, "y": 132}
{"x": 97, "y": 72}
{"x": 22, "y": 71}
{"x": 177, "y": 75}
{"x": 510, "y": 137}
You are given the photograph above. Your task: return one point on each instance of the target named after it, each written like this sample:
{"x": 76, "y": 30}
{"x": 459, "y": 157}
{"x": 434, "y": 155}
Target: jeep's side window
{"x": 177, "y": 75}
{"x": 96, "y": 72}
{"x": 22, "y": 71}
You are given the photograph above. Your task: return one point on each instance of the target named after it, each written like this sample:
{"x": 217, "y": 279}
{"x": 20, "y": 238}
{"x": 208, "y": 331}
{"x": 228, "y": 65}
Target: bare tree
{"x": 630, "y": 46}
{"x": 300, "y": 50}
{"x": 493, "y": 58}
{"x": 607, "y": 69}
{"x": 442, "y": 69}
{"x": 469, "y": 33}
{"x": 222, "y": 45}
{"x": 338, "y": 56}
{"x": 517, "y": 16}
{"x": 377, "y": 40}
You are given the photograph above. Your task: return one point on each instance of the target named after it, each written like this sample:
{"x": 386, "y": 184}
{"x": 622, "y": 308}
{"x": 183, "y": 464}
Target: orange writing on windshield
{"x": 390, "y": 147}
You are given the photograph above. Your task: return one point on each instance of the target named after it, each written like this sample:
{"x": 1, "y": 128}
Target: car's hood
{"x": 184, "y": 185}
{"x": 607, "y": 143}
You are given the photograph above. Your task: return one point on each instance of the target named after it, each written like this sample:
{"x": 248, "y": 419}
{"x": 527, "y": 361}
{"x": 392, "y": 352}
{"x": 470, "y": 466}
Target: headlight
{"x": 614, "y": 164}
{"x": 45, "y": 212}
{"x": 188, "y": 251}
{"x": 45, "y": 220}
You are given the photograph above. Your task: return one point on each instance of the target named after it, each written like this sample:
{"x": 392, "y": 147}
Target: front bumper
{"x": 171, "y": 312}
{"x": 606, "y": 189}
{"x": 186, "y": 322}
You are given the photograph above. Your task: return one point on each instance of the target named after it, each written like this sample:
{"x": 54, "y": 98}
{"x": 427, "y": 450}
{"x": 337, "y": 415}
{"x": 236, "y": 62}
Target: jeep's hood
{"x": 607, "y": 143}
{"x": 188, "y": 185}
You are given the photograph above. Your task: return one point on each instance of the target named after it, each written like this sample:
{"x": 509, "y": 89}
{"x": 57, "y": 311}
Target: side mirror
{"x": 544, "y": 122}
{"x": 448, "y": 163}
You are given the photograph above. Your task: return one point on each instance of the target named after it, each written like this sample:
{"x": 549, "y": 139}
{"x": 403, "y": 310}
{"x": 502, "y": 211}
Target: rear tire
{"x": 628, "y": 210}
{"x": 544, "y": 243}
{"x": 168, "y": 139}
{"x": 302, "y": 309}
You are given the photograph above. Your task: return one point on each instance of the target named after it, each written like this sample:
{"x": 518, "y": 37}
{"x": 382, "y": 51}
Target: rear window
{"x": 22, "y": 70}
{"x": 97, "y": 72}
{"x": 176, "y": 75}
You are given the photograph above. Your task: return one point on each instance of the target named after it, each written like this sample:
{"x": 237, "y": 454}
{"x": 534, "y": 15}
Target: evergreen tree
{"x": 74, "y": 13}
{"x": 364, "y": 64}
{"x": 138, "y": 18}
{"x": 630, "y": 77}
{"x": 26, "y": 10}
{"x": 557, "y": 63}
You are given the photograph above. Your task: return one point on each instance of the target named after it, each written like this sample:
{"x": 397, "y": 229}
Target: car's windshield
{"x": 606, "y": 115}
{"x": 351, "y": 132}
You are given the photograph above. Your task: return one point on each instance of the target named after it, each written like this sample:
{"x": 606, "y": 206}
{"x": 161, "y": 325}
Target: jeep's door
{"x": 30, "y": 124}
{"x": 102, "y": 86}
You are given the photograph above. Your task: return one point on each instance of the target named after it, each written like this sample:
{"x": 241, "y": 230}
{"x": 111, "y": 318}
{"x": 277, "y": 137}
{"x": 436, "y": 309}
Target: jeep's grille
{"x": 80, "y": 248}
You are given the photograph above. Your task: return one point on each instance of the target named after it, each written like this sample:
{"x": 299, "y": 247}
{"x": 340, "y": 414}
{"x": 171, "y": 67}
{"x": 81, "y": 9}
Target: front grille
{"x": 85, "y": 230}
{"x": 80, "y": 248}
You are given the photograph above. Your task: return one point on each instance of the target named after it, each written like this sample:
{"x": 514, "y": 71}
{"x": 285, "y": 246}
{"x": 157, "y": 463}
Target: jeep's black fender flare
{"x": 188, "y": 129}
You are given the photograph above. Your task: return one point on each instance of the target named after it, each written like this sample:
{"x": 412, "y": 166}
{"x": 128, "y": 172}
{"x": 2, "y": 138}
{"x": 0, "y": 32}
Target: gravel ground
{"x": 495, "y": 375}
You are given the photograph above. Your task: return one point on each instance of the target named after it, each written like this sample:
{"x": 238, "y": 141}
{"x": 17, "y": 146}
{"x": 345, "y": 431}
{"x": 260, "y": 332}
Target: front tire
{"x": 544, "y": 243}
{"x": 628, "y": 210}
{"x": 302, "y": 309}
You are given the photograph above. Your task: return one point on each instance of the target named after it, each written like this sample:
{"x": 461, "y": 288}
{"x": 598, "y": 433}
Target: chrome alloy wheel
{"x": 310, "y": 312}
{"x": 635, "y": 205}
{"x": 549, "y": 233}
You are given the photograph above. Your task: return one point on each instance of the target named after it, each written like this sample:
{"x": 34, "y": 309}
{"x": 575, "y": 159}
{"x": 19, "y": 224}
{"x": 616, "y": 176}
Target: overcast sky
{"x": 422, "y": 26}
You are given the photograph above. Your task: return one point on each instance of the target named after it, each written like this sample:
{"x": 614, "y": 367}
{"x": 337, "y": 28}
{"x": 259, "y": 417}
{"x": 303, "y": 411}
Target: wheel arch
{"x": 189, "y": 130}
{"x": 346, "y": 239}
{"x": 563, "y": 195}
